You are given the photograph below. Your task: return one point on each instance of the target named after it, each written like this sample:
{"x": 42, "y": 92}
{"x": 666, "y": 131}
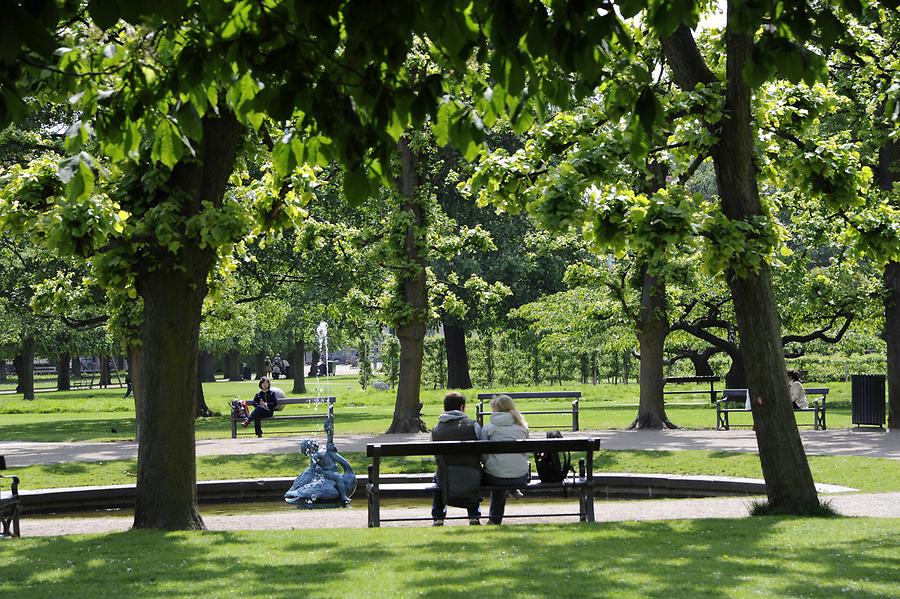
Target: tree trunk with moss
{"x": 173, "y": 286}
{"x": 414, "y": 293}
{"x": 789, "y": 483}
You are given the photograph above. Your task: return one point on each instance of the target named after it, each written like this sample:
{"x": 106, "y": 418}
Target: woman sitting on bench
{"x": 504, "y": 469}
{"x": 798, "y": 393}
{"x": 264, "y": 404}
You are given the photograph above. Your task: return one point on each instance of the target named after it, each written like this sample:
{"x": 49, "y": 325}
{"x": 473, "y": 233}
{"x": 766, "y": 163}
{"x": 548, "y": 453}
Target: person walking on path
{"x": 264, "y": 404}
{"x": 505, "y": 469}
{"x": 457, "y": 477}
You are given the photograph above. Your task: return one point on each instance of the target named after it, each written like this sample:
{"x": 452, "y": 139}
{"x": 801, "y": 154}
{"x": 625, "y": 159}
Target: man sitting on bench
{"x": 459, "y": 475}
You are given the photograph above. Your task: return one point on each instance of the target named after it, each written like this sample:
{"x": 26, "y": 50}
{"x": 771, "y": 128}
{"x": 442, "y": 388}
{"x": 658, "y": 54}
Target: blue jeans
{"x": 256, "y": 416}
{"x": 439, "y": 508}
{"x": 498, "y": 497}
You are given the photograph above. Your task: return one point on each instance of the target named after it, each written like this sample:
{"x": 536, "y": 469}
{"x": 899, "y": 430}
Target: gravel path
{"x": 848, "y": 442}
{"x": 882, "y": 505}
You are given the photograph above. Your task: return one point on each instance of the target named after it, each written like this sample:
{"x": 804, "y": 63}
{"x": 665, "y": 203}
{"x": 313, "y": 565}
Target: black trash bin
{"x": 867, "y": 399}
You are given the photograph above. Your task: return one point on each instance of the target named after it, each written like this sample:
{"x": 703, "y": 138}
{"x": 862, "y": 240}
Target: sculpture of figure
{"x": 320, "y": 485}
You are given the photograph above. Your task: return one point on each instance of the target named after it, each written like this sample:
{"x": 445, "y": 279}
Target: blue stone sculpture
{"x": 320, "y": 485}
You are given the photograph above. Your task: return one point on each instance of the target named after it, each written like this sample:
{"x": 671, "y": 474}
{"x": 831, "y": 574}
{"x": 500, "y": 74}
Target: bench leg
{"x": 373, "y": 499}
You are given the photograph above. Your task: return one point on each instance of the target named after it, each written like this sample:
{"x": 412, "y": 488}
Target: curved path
{"x": 847, "y": 442}
{"x": 882, "y": 505}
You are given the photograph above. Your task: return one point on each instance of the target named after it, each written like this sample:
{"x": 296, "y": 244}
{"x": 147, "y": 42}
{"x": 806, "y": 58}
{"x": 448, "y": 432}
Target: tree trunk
{"x": 63, "y": 380}
{"x": 260, "y": 365}
{"x": 203, "y": 410}
{"x": 789, "y": 483}
{"x": 411, "y": 332}
{"x": 26, "y": 382}
{"x": 298, "y": 361}
{"x": 653, "y": 327}
{"x": 17, "y": 368}
{"x": 535, "y": 364}
{"x": 457, "y": 357}
{"x": 134, "y": 371}
{"x": 2, "y": 371}
{"x": 314, "y": 363}
{"x": 736, "y": 377}
{"x": 701, "y": 364}
{"x": 892, "y": 336}
{"x": 888, "y": 175}
{"x": 104, "y": 370}
{"x": 489, "y": 359}
{"x": 206, "y": 367}
{"x": 76, "y": 367}
{"x": 593, "y": 368}
{"x": 233, "y": 366}
{"x": 173, "y": 292}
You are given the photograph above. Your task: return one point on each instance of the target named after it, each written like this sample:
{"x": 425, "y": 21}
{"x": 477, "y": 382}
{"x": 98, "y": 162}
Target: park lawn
{"x": 761, "y": 556}
{"x": 104, "y": 415}
{"x": 863, "y": 473}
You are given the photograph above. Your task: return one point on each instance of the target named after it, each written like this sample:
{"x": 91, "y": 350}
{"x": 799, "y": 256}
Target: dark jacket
{"x": 266, "y": 399}
{"x": 458, "y": 476}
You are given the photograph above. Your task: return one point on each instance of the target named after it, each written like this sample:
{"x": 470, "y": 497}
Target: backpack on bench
{"x": 553, "y": 466}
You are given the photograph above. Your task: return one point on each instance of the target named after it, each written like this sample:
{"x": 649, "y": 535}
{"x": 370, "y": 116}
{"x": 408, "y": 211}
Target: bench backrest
{"x": 289, "y": 401}
{"x": 680, "y": 380}
{"x": 480, "y": 447}
{"x": 741, "y": 394}
{"x": 533, "y": 394}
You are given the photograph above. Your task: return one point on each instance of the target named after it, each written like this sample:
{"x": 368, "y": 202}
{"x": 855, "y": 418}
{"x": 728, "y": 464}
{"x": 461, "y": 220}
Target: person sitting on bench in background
{"x": 504, "y": 469}
{"x": 454, "y": 425}
{"x": 264, "y": 404}
{"x": 798, "y": 393}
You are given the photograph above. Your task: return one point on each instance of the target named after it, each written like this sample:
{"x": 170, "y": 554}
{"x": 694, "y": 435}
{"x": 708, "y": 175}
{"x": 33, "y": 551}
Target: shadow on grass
{"x": 57, "y": 430}
{"x": 701, "y": 558}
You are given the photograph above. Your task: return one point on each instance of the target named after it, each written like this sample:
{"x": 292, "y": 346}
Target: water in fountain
{"x": 322, "y": 337}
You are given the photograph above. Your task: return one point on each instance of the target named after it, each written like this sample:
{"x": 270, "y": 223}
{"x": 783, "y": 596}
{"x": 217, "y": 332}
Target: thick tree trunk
{"x": 411, "y": 333}
{"x": 297, "y": 365}
{"x": 26, "y": 382}
{"x": 736, "y": 377}
{"x": 789, "y": 483}
{"x": 173, "y": 292}
{"x": 17, "y": 368}
{"x": 104, "y": 371}
{"x": 207, "y": 369}
{"x": 457, "y": 357}
{"x": 76, "y": 367}
{"x": 260, "y": 365}
{"x": 653, "y": 326}
{"x": 63, "y": 380}
{"x": 701, "y": 364}
{"x": 314, "y": 363}
{"x": 233, "y": 366}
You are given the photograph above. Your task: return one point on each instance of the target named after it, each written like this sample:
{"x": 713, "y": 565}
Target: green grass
{"x": 865, "y": 474}
{"x": 103, "y": 415}
{"x": 759, "y": 557}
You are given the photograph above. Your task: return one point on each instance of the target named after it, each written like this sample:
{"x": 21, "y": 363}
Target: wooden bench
{"x": 582, "y": 485}
{"x": 10, "y": 508}
{"x": 735, "y": 400}
{"x": 695, "y": 380}
{"x": 236, "y": 416}
{"x": 575, "y": 395}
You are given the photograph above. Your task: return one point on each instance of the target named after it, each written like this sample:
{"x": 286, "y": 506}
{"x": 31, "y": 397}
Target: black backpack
{"x": 553, "y": 466}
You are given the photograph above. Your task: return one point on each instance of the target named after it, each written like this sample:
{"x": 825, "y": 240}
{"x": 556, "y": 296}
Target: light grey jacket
{"x": 503, "y": 427}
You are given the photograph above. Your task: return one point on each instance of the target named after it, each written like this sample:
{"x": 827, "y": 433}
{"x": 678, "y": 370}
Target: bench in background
{"x": 712, "y": 392}
{"x": 575, "y": 395}
{"x": 735, "y": 400}
{"x": 289, "y": 401}
{"x": 10, "y": 508}
{"x": 582, "y": 485}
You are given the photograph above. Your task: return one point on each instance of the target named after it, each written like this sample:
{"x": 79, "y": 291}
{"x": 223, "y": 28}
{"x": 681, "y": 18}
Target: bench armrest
{"x": 15, "y": 484}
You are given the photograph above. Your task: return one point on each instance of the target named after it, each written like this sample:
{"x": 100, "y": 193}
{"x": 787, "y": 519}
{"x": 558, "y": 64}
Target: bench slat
{"x": 533, "y": 394}
{"x": 481, "y": 447}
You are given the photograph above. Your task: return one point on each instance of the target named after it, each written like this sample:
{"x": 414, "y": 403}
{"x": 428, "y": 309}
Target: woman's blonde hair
{"x": 504, "y": 403}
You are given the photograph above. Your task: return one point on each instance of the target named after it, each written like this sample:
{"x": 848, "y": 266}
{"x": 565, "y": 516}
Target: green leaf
{"x": 357, "y": 187}
{"x": 283, "y": 158}
{"x": 189, "y": 122}
{"x": 164, "y": 145}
